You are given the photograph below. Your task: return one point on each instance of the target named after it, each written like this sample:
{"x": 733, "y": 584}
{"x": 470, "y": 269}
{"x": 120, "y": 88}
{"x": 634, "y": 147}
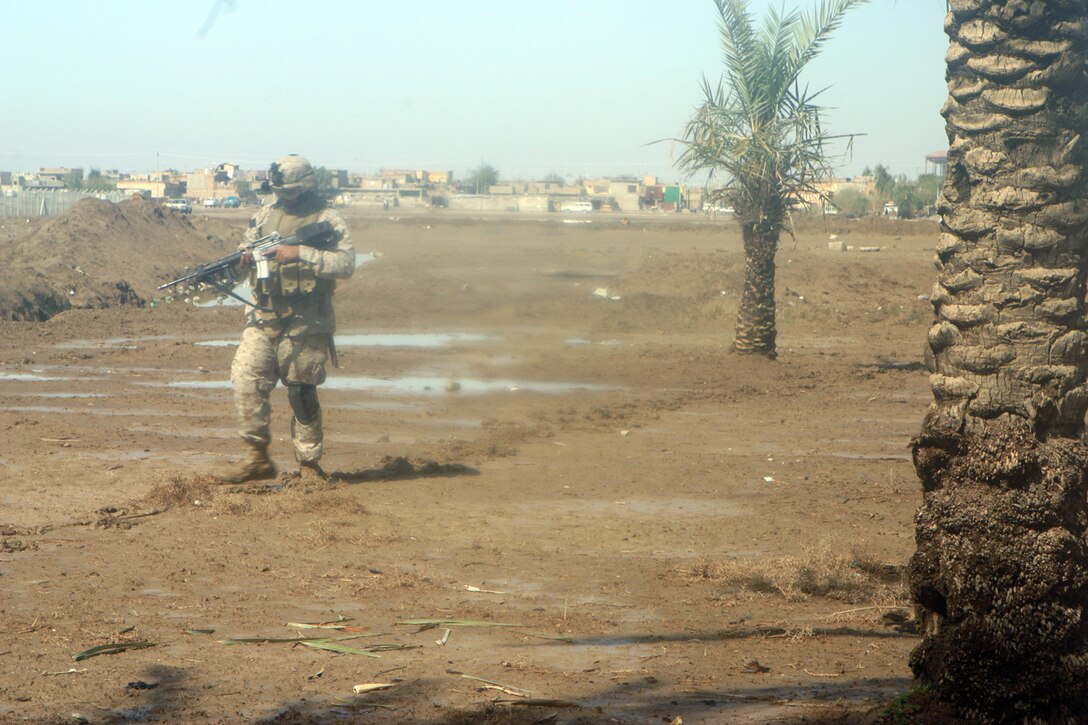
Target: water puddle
{"x": 373, "y": 405}
{"x": 563, "y": 274}
{"x": 573, "y": 341}
{"x": 112, "y": 343}
{"x": 655, "y": 507}
{"x": 35, "y": 377}
{"x": 58, "y": 395}
{"x": 419, "y": 385}
{"x": 69, "y": 374}
{"x": 188, "y": 458}
{"x": 410, "y": 340}
{"x": 873, "y": 456}
{"x": 199, "y": 433}
{"x": 155, "y": 592}
{"x": 123, "y": 412}
{"x": 425, "y": 340}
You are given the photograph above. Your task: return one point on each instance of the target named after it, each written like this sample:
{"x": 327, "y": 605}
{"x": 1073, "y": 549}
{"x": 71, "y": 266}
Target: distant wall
{"x": 485, "y": 202}
{"x": 32, "y": 203}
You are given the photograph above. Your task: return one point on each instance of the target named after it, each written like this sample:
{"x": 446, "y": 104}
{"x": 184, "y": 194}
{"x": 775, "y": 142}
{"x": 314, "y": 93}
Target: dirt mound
{"x": 99, "y": 254}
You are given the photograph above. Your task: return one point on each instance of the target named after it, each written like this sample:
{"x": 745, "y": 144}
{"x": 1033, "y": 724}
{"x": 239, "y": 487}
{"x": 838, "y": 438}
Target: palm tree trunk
{"x": 755, "y": 331}
{"x": 1000, "y": 576}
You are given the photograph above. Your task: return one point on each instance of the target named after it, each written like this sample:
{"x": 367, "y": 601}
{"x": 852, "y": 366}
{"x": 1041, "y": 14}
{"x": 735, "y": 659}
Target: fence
{"x": 50, "y": 202}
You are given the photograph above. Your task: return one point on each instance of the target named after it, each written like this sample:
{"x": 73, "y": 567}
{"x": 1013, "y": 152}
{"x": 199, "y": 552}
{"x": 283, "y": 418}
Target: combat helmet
{"x": 292, "y": 172}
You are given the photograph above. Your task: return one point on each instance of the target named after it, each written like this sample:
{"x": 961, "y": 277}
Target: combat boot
{"x": 256, "y": 466}
{"x": 311, "y": 472}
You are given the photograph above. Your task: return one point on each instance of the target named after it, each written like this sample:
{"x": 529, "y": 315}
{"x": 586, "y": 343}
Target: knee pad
{"x": 303, "y": 399}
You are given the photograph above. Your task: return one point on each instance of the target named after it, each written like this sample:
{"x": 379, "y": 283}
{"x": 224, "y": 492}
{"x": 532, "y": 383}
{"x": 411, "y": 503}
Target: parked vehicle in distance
{"x": 232, "y": 202}
{"x": 211, "y": 203}
{"x": 578, "y": 206}
{"x": 181, "y": 205}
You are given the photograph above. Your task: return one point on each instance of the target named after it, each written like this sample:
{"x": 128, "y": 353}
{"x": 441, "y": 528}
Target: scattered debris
{"x": 754, "y": 667}
{"x": 141, "y": 685}
{"x": 538, "y": 702}
{"x": 340, "y": 648}
{"x": 275, "y": 640}
{"x": 605, "y": 294}
{"x": 371, "y": 687}
{"x": 471, "y": 588}
{"x": 490, "y": 685}
{"x": 332, "y": 644}
{"x": 110, "y": 649}
{"x": 445, "y": 638}
{"x": 425, "y": 624}
{"x": 337, "y": 625}
{"x": 72, "y": 671}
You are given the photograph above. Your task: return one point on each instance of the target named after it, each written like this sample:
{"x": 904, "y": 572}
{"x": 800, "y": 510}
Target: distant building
{"x": 625, "y": 193}
{"x": 201, "y": 184}
{"x": 440, "y": 178}
{"x": 154, "y": 188}
{"x": 403, "y": 177}
{"x": 226, "y": 173}
{"x": 58, "y": 174}
{"x": 937, "y": 163}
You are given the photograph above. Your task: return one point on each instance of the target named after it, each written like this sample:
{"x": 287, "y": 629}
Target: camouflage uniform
{"x": 288, "y": 328}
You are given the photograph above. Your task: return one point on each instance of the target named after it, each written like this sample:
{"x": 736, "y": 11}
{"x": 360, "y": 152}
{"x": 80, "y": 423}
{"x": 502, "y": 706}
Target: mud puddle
{"x": 90, "y": 410}
{"x": 410, "y": 340}
{"x": 58, "y": 395}
{"x": 419, "y": 385}
{"x": 113, "y": 343}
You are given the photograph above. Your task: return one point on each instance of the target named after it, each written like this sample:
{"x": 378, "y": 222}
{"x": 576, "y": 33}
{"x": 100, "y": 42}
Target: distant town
{"x": 228, "y": 184}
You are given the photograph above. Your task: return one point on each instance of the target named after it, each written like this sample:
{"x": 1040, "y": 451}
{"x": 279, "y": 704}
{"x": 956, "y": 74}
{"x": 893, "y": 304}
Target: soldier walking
{"x": 289, "y": 324}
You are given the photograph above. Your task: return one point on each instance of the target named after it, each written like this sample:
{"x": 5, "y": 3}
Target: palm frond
{"x": 758, "y": 128}
{"x": 814, "y": 30}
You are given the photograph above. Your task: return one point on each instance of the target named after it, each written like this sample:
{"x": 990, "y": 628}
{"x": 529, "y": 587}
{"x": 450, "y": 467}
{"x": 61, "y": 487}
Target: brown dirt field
{"x": 677, "y": 531}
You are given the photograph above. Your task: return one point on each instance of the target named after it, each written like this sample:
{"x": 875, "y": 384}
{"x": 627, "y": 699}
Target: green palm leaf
{"x": 758, "y": 128}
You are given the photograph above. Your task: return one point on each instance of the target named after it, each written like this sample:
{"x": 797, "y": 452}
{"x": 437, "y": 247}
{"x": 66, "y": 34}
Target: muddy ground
{"x": 537, "y": 426}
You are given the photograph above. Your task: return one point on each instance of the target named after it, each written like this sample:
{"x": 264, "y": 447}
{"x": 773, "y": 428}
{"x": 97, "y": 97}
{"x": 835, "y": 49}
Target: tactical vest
{"x": 289, "y": 283}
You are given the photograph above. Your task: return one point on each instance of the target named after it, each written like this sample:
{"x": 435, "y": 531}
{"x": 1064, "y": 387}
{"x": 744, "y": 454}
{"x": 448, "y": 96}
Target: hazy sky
{"x": 575, "y": 87}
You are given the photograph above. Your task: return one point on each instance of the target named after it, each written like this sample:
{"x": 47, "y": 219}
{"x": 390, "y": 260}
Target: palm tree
{"x": 1000, "y": 575}
{"x": 760, "y": 129}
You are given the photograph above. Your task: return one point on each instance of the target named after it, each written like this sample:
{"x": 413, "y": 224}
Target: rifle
{"x": 224, "y": 273}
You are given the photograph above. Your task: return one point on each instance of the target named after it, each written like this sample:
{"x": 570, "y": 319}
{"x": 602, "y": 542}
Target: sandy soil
{"x": 651, "y": 527}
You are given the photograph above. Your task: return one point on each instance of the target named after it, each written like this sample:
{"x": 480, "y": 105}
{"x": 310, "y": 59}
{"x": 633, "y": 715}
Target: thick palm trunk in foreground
{"x": 755, "y": 331}
{"x": 1000, "y": 577}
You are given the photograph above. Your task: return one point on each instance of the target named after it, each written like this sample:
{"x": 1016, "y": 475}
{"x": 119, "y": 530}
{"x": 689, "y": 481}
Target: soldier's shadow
{"x": 400, "y": 469}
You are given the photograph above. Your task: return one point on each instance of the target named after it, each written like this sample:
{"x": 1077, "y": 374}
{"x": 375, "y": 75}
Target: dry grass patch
{"x": 322, "y": 532}
{"x": 816, "y": 572}
{"x": 179, "y": 491}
